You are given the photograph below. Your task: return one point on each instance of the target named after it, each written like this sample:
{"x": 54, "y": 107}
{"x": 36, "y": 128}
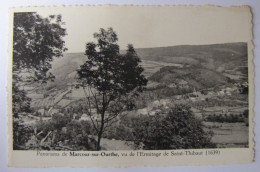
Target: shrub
{"x": 119, "y": 132}
{"x": 68, "y": 132}
{"x": 21, "y": 134}
{"x": 179, "y": 129}
{"x": 77, "y": 134}
{"x": 225, "y": 118}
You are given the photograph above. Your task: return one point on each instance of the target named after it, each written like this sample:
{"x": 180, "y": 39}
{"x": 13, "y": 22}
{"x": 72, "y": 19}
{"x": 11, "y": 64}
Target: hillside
{"x": 189, "y": 77}
{"x": 229, "y": 58}
{"x": 64, "y": 69}
{"x": 200, "y": 65}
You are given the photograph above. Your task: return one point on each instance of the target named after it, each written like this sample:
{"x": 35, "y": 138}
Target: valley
{"x": 211, "y": 79}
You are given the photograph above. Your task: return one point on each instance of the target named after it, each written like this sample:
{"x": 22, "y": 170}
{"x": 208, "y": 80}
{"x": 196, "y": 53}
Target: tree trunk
{"x": 100, "y": 132}
{"x": 99, "y": 139}
{"x": 102, "y": 124}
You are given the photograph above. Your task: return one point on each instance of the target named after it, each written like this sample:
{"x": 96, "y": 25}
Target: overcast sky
{"x": 153, "y": 26}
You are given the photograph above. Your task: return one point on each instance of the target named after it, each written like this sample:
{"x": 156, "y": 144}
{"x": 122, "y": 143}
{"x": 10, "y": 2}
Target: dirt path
{"x": 108, "y": 144}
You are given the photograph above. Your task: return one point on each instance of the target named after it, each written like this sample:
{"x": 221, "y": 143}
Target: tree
{"x": 36, "y": 40}
{"x": 178, "y": 129}
{"x": 110, "y": 79}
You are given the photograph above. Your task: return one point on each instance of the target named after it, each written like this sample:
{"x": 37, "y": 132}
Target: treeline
{"x": 211, "y": 102}
{"x": 230, "y": 118}
{"x": 196, "y": 76}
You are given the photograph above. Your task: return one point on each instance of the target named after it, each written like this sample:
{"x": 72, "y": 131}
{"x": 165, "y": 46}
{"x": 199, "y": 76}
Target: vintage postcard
{"x": 120, "y": 86}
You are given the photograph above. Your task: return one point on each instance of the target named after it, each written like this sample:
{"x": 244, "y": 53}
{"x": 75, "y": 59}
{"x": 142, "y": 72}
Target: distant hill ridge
{"x": 227, "y": 58}
{"x": 205, "y": 66}
{"x": 211, "y": 56}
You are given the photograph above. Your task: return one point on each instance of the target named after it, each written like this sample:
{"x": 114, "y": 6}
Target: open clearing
{"x": 228, "y": 133}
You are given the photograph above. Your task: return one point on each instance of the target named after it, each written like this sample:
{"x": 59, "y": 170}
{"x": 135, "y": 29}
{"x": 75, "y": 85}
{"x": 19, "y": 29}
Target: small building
{"x": 182, "y": 82}
{"x": 178, "y": 97}
{"x": 84, "y": 117}
{"x": 220, "y": 93}
{"x": 172, "y": 85}
{"x": 74, "y": 116}
{"x": 228, "y": 89}
{"x": 202, "y": 98}
{"x": 228, "y": 93}
{"x": 64, "y": 130}
{"x": 193, "y": 99}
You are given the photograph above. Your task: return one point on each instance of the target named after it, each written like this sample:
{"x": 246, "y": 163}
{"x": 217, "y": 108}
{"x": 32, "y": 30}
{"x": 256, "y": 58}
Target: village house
{"x": 182, "y": 83}
{"x": 84, "y": 117}
{"x": 221, "y": 93}
{"x": 172, "y": 85}
{"x": 193, "y": 99}
{"x": 178, "y": 97}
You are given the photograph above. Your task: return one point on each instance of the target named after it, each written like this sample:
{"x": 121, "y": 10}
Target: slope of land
{"x": 210, "y": 56}
{"x": 192, "y": 77}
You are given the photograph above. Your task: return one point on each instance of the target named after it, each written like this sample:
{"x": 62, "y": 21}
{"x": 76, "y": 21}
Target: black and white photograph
{"x": 128, "y": 82}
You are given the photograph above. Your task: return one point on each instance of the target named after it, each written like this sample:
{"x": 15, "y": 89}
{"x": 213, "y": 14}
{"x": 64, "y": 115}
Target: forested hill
{"x": 204, "y": 66}
{"x": 190, "y": 77}
{"x": 218, "y": 57}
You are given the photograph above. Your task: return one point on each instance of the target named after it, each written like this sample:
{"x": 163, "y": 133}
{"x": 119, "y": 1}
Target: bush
{"x": 67, "y": 132}
{"x": 119, "y": 132}
{"x": 77, "y": 134}
{"x": 21, "y": 134}
{"x": 179, "y": 129}
{"x": 225, "y": 118}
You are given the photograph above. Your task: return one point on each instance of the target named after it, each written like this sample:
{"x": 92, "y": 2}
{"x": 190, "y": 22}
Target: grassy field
{"x": 228, "y": 133}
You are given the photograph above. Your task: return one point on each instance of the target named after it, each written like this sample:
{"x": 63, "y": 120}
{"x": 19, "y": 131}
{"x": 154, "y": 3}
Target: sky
{"x": 153, "y": 26}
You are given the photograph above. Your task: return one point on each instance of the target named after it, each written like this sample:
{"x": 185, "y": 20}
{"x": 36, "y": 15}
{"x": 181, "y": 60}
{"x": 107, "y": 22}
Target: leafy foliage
{"x": 65, "y": 131}
{"x": 36, "y": 41}
{"x": 179, "y": 129}
{"x": 197, "y": 77}
{"x": 110, "y": 77}
{"x": 227, "y": 118}
{"x": 21, "y": 103}
{"x": 107, "y": 70}
{"x": 21, "y": 134}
